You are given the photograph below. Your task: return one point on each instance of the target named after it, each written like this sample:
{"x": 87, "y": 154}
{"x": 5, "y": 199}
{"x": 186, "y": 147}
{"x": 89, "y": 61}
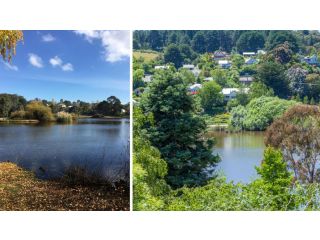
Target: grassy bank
{"x": 19, "y": 121}
{"x": 21, "y": 190}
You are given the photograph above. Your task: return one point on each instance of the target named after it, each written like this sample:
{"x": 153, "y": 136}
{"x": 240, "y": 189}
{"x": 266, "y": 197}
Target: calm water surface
{"x": 240, "y": 153}
{"x": 48, "y": 150}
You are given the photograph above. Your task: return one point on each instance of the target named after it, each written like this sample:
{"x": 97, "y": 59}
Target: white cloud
{"x": 48, "y": 38}
{"x": 10, "y": 66}
{"x": 57, "y": 62}
{"x": 35, "y": 60}
{"x": 67, "y": 67}
{"x": 116, "y": 44}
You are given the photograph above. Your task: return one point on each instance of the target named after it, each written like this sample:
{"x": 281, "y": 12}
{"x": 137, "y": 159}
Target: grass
{"x": 147, "y": 55}
{"x": 21, "y": 190}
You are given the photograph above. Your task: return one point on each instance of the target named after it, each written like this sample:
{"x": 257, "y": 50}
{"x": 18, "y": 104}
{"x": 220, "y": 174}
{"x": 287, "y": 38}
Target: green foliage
{"x": 280, "y": 37}
{"x": 250, "y": 41}
{"x": 211, "y": 97}
{"x": 259, "y": 89}
{"x": 10, "y": 103}
{"x": 177, "y": 132}
{"x": 259, "y": 113}
{"x": 137, "y": 78}
{"x": 272, "y": 75}
{"x": 173, "y": 55}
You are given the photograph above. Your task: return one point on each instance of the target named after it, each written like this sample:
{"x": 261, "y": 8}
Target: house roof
{"x": 228, "y": 91}
{"x": 195, "y": 86}
{"x": 223, "y": 62}
{"x": 245, "y": 79}
{"x": 188, "y": 66}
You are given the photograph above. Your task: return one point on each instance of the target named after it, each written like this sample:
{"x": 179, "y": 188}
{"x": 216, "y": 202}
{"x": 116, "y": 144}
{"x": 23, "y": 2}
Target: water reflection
{"x": 240, "y": 153}
{"x": 98, "y": 144}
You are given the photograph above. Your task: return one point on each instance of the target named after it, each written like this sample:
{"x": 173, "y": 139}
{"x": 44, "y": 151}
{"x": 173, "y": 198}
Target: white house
{"x": 188, "y": 66}
{"x": 161, "y": 67}
{"x": 262, "y": 52}
{"x": 246, "y": 80}
{"x": 208, "y": 79}
{"x": 224, "y": 63}
{"x": 248, "y": 54}
{"x": 194, "y": 89}
{"x": 231, "y": 93}
{"x": 147, "y": 78}
{"x": 250, "y": 61}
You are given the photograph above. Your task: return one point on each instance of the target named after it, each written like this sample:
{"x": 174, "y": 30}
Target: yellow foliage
{"x": 8, "y": 42}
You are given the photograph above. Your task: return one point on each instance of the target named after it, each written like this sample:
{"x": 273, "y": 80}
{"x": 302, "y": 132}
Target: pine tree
{"x": 178, "y": 133}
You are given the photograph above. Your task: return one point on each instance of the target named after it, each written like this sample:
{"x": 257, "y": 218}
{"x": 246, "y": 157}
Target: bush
{"x": 21, "y": 114}
{"x": 259, "y": 113}
{"x": 64, "y": 117}
{"x": 37, "y": 110}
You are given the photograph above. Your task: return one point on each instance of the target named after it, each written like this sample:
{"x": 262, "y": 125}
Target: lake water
{"x": 49, "y": 149}
{"x": 240, "y": 153}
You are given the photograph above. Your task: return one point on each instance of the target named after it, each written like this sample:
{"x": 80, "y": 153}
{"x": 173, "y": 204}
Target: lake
{"x": 49, "y": 149}
{"x": 240, "y": 153}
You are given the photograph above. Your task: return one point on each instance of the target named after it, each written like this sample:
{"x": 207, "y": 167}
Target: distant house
{"x": 249, "y": 54}
{"x": 188, "y": 66}
{"x": 224, "y": 63}
{"x": 194, "y": 69}
{"x": 194, "y": 89}
{"x": 313, "y": 60}
{"x": 261, "y": 52}
{"x": 147, "y": 78}
{"x": 231, "y": 93}
{"x": 246, "y": 80}
{"x": 62, "y": 105}
{"x": 208, "y": 79}
{"x": 219, "y": 55}
{"x": 161, "y": 67}
{"x": 250, "y": 61}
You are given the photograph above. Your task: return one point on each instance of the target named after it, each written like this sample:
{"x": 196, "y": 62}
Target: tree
{"x": 220, "y": 76}
{"x": 297, "y": 135}
{"x": 173, "y": 55}
{"x": 279, "y": 37}
{"x": 149, "y": 170}
{"x": 211, "y": 97}
{"x": 276, "y": 179}
{"x": 111, "y": 107}
{"x": 272, "y": 75}
{"x": 177, "y": 132}
{"x": 37, "y": 110}
{"x": 10, "y": 103}
{"x": 250, "y": 41}
{"x": 282, "y": 53}
{"x": 259, "y": 89}
{"x": 198, "y": 42}
{"x": 187, "y": 53}
{"x": 297, "y": 80}
{"x": 8, "y": 43}
{"x": 313, "y": 82}
{"x": 137, "y": 78}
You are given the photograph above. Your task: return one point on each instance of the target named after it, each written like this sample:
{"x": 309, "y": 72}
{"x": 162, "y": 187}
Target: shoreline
{"x": 20, "y": 190}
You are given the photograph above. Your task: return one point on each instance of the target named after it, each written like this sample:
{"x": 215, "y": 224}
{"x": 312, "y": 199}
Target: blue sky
{"x": 71, "y": 65}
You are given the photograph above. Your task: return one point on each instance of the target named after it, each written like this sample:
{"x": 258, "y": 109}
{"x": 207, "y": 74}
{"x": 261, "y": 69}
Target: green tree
{"x": 173, "y": 55}
{"x": 198, "y": 42}
{"x": 250, "y": 41}
{"x": 272, "y": 75}
{"x": 280, "y": 37}
{"x": 177, "y": 132}
{"x": 137, "y": 78}
{"x": 211, "y": 97}
{"x": 259, "y": 89}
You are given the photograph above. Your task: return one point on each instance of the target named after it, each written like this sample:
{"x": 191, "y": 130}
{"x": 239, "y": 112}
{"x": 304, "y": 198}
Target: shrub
{"x": 37, "y": 110}
{"x": 21, "y": 114}
{"x": 64, "y": 117}
{"x": 259, "y": 113}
